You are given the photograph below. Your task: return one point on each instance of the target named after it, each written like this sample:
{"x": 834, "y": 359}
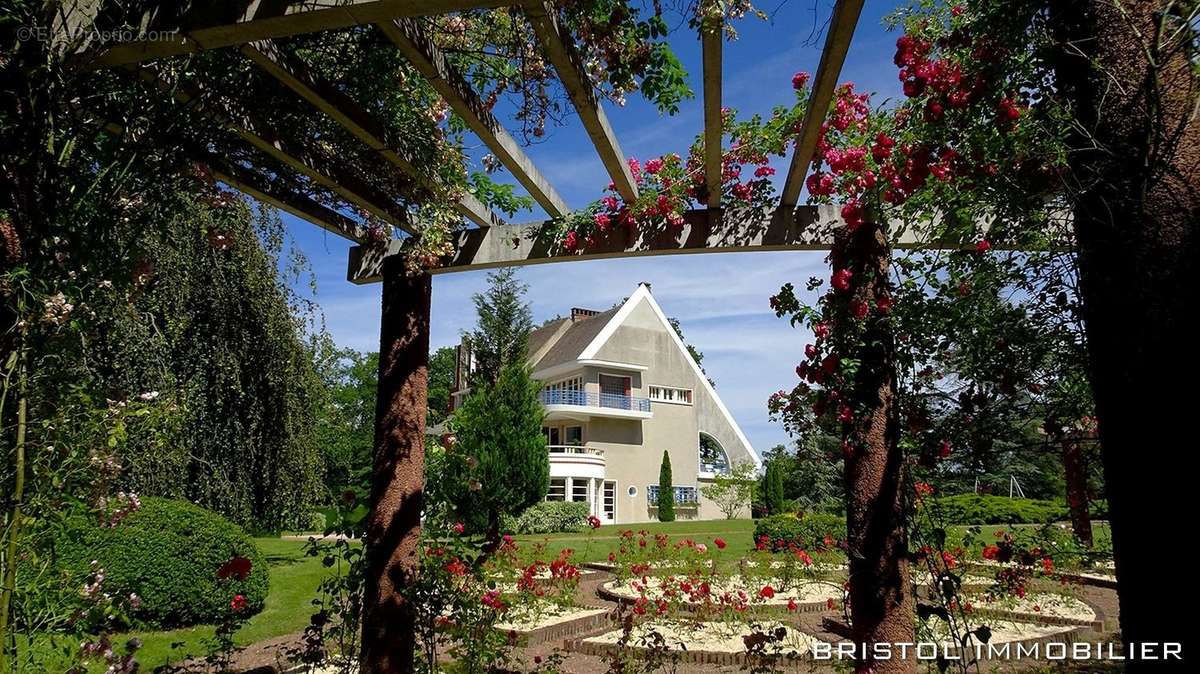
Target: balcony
{"x": 587, "y": 404}
{"x": 575, "y": 461}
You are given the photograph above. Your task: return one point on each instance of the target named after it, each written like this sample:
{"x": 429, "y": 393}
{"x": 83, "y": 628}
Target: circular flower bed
{"x": 728, "y": 591}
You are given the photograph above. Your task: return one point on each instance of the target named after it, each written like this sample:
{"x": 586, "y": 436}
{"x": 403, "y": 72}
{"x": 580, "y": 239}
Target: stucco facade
{"x": 619, "y": 389}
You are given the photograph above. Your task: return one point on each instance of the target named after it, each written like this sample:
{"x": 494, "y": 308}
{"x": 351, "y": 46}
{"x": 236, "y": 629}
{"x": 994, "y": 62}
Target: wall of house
{"x": 643, "y": 339}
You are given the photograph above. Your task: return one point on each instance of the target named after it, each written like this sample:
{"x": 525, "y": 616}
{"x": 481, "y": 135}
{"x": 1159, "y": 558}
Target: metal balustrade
{"x": 591, "y": 399}
{"x": 574, "y": 449}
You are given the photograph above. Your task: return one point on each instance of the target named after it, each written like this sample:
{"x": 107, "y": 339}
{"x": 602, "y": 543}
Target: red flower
{"x": 991, "y": 552}
{"x": 944, "y": 451}
{"x": 459, "y": 528}
{"x": 1047, "y": 565}
{"x": 720, "y": 543}
{"x": 829, "y": 603}
{"x": 456, "y": 567}
{"x": 983, "y": 246}
{"x": 860, "y": 309}
{"x": 767, "y": 592}
{"x": 237, "y": 603}
{"x": 841, "y": 279}
{"x": 571, "y": 242}
{"x": 593, "y": 521}
{"x": 791, "y": 604}
{"x": 799, "y": 80}
{"x": 923, "y": 488}
{"x": 884, "y": 304}
{"x": 238, "y": 567}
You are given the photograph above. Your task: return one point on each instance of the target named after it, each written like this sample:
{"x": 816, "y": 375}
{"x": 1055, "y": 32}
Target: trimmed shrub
{"x": 992, "y": 509}
{"x": 168, "y": 552}
{"x": 548, "y": 517}
{"x": 809, "y": 531}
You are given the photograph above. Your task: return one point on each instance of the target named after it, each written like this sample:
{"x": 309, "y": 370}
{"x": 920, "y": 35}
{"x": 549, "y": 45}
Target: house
{"x": 619, "y": 388}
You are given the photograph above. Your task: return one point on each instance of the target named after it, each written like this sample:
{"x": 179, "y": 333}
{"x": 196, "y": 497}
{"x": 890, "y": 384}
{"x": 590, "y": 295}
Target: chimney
{"x": 578, "y": 314}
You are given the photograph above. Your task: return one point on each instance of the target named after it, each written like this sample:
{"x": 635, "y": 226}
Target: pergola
{"x": 253, "y": 27}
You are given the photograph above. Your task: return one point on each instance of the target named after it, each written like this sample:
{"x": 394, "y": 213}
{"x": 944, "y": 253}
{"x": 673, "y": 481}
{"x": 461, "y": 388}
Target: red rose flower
{"x": 720, "y": 543}
{"x": 238, "y": 603}
{"x": 767, "y": 592}
{"x": 799, "y": 80}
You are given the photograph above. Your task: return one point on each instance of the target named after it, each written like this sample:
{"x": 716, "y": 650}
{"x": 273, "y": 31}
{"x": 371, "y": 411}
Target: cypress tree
{"x": 773, "y": 488}
{"x": 666, "y": 492}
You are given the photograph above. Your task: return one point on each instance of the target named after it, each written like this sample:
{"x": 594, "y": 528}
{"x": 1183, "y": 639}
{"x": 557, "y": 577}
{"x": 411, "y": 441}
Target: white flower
{"x": 149, "y": 395}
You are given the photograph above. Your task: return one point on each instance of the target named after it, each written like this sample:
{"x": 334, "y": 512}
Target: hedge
{"x": 169, "y": 552}
{"x": 992, "y": 509}
{"x": 809, "y": 531}
{"x": 548, "y": 517}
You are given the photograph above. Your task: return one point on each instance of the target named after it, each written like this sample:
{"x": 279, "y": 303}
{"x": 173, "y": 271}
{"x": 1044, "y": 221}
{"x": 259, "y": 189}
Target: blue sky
{"x": 721, "y": 299}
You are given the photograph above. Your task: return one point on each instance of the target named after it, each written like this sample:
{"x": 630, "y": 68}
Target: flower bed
{"x": 553, "y": 622}
{"x": 1039, "y": 607}
{"x": 721, "y": 643}
{"x": 802, "y": 596}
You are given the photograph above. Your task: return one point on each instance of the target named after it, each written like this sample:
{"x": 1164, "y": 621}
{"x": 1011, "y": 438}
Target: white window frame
{"x": 660, "y": 393}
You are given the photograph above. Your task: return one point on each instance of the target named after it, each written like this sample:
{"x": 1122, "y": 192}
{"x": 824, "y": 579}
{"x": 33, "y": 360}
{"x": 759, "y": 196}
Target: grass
{"x": 738, "y": 536}
{"x": 294, "y": 582}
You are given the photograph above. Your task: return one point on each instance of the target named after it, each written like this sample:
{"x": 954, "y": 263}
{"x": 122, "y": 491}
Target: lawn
{"x": 294, "y": 581}
{"x": 595, "y": 546}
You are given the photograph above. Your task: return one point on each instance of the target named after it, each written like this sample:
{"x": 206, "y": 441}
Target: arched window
{"x": 713, "y": 458}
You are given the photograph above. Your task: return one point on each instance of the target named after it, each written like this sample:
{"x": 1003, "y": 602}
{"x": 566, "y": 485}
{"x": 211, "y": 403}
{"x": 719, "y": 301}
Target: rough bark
{"x": 1077, "y": 491}
{"x": 882, "y": 606}
{"x": 393, "y": 532}
{"x": 1124, "y": 67}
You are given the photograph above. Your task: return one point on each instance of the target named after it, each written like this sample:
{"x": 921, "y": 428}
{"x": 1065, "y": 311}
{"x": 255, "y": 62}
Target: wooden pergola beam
{"x": 561, "y": 53}
{"x": 302, "y": 207}
{"x": 416, "y": 46}
{"x": 326, "y": 172}
{"x": 833, "y": 55}
{"x": 355, "y": 119}
{"x": 214, "y": 25}
{"x": 808, "y": 228}
{"x": 254, "y": 184}
{"x": 711, "y": 43}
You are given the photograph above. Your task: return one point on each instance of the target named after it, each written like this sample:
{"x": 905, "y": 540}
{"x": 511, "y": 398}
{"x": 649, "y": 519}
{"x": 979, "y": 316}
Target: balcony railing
{"x": 591, "y": 399}
{"x": 574, "y": 449}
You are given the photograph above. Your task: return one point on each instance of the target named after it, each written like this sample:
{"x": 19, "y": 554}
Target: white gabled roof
{"x": 643, "y": 293}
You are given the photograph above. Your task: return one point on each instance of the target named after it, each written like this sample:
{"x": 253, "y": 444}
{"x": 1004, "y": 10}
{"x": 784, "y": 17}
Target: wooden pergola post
{"x": 393, "y": 533}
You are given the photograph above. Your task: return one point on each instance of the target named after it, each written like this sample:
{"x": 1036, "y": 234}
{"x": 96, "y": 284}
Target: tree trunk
{"x": 1077, "y": 491}
{"x": 882, "y": 606}
{"x": 393, "y": 532}
{"x": 1124, "y": 67}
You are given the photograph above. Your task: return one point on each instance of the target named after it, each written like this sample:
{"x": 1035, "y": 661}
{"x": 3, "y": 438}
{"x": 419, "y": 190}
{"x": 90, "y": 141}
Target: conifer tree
{"x": 666, "y": 492}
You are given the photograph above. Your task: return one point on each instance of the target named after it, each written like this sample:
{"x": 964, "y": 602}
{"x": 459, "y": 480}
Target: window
{"x": 632, "y": 491}
{"x": 565, "y": 392}
{"x": 573, "y": 435}
{"x": 670, "y": 394}
{"x": 614, "y": 391}
{"x": 684, "y": 495}
{"x": 579, "y": 490}
{"x": 558, "y": 489}
{"x": 713, "y": 458}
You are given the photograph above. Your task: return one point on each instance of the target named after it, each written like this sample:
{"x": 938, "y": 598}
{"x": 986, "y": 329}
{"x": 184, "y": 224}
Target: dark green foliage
{"x": 666, "y": 491}
{"x": 548, "y": 517}
{"x": 500, "y": 427}
{"x": 441, "y": 380}
{"x": 809, "y": 531}
{"x": 773, "y": 495}
{"x": 504, "y": 322}
{"x": 210, "y": 325}
{"x": 990, "y": 509}
{"x": 169, "y": 552}
{"x": 346, "y": 419}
